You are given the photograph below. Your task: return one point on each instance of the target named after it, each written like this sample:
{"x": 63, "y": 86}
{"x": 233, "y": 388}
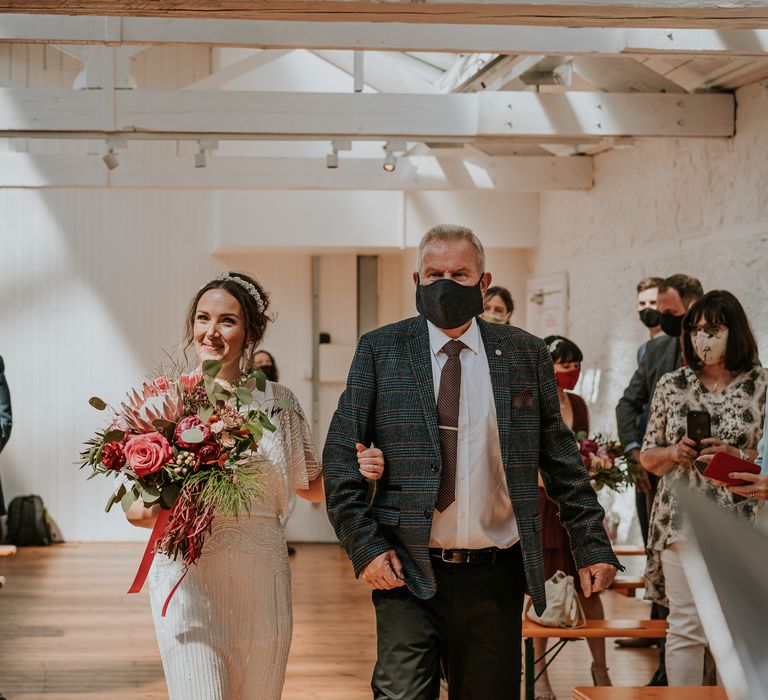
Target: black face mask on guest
{"x": 672, "y": 325}
{"x": 449, "y": 304}
{"x": 269, "y": 372}
{"x": 650, "y": 317}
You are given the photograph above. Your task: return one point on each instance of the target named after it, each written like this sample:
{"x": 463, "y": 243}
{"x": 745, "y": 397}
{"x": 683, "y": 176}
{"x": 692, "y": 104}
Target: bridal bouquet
{"x": 183, "y": 442}
{"x": 605, "y": 462}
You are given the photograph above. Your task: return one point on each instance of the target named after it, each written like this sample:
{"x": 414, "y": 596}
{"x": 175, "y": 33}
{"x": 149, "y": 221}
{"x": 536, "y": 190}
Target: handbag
{"x": 563, "y": 605}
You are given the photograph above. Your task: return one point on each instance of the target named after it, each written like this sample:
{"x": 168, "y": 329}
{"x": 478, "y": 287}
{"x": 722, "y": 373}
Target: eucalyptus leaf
{"x": 283, "y": 404}
{"x": 128, "y": 500}
{"x": 97, "y": 403}
{"x": 114, "y": 436}
{"x": 243, "y": 395}
{"x": 261, "y": 380}
{"x": 169, "y": 495}
{"x": 210, "y": 388}
{"x": 193, "y": 435}
{"x": 255, "y": 430}
{"x": 115, "y": 497}
{"x": 211, "y": 368}
{"x": 267, "y": 423}
{"x": 150, "y": 498}
{"x": 204, "y": 413}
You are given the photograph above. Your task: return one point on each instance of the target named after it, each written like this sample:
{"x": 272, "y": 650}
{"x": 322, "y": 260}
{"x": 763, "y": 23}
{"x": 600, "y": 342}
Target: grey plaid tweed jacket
{"x": 389, "y": 400}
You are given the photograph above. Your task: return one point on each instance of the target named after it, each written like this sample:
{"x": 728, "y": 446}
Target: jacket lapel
{"x": 421, "y": 362}
{"x": 498, "y": 363}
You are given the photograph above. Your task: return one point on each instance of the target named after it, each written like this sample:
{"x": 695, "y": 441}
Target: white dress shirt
{"x": 482, "y": 514}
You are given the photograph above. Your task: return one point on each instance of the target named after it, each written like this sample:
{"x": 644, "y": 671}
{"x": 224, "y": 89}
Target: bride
{"x": 227, "y": 632}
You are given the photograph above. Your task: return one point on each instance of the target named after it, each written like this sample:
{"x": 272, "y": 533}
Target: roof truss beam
{"x": 457, "y": 38}
{"x": 512, "y": 174}
{"x": 575, "y": 13}
{"x": 461, "y": 117}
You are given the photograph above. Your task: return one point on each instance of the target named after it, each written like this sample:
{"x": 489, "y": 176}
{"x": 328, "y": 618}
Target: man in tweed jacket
{"x": 449, "y": 581}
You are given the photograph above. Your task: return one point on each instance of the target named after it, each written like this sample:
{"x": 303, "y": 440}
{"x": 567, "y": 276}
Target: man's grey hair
{"x": 450, "y": 233}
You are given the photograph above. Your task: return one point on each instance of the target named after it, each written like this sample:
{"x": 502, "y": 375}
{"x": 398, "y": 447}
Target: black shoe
{"x": 291, "y": 551}
{"x": 659, "y": 678}
{"x": 637, "y": 642}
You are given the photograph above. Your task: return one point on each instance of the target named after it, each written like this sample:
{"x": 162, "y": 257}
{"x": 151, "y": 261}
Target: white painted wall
{"x": 693, "y": 206}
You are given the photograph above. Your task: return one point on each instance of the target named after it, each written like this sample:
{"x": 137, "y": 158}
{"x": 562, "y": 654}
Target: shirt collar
{"x": 470, "y": 337}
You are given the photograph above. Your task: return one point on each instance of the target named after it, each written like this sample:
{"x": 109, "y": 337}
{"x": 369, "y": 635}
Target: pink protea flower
{"x": 189, "y": 423}
{"x": 141, "y": 409}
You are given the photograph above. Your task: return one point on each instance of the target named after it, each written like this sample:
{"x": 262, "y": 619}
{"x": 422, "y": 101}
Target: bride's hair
{"x": 254, "y": 302}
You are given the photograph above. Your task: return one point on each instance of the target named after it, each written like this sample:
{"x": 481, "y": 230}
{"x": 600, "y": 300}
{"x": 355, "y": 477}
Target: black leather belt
{"x": 466, "y": 556}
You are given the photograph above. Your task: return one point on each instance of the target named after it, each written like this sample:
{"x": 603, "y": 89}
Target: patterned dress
{"x": 227, "y": 632}
{"x": 737, "y": 415}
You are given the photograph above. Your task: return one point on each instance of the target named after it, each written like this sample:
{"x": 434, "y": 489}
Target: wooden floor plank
{"x": 69, "y": 631}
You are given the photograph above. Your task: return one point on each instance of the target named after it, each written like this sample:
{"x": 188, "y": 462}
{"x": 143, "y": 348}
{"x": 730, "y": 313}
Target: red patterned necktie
{"x": 448, "y": 421}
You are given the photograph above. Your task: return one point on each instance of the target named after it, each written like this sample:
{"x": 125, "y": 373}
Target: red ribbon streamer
{"x": 149, "y": 552}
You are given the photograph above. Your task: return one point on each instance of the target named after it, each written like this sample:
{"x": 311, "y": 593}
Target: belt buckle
{"x": 455, "y": 556}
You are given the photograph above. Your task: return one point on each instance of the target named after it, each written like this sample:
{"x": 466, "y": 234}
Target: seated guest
{"x": 720, "y": 376}
{"x": 498, "y": 306}
{"x": 567, "y": 358}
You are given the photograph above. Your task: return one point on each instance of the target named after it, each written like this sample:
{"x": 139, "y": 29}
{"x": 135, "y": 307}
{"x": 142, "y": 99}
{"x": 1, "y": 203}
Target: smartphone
{"x": 701, "y": 466}
{"x": 698, "y": 427}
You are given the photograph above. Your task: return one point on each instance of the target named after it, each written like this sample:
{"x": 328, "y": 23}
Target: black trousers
{"x": 473, "y": 623}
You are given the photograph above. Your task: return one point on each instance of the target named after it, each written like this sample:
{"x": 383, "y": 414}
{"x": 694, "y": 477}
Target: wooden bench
{"x": 592, "y": 629}
{"x": 627, "y": 585}
{"x": 651, "y": 693}
{"x": 629, "y": 550}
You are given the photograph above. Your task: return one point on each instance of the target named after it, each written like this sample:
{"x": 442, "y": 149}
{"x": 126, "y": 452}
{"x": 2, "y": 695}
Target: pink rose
{"x": 189, "y": 423}
{"x": 147, "y": 454}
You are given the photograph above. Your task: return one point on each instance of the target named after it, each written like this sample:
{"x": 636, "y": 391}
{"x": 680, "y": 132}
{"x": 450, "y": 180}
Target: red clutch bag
{"x": 723, "y": 464}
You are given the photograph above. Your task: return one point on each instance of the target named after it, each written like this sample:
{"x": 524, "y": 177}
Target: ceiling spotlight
{"x": 110, "y": 159}
{"x": 332, "y": 160}
{"x": 390, "y": 162}
{"x": 203, "y": 146}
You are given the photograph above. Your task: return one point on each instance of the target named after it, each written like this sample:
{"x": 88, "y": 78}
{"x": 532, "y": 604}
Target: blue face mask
{"x": 449, "y": 304}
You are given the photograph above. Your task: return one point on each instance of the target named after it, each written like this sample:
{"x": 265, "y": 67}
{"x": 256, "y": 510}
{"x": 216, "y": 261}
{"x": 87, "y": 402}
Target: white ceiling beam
{"x": 385, "y": 72}
{"x": 584, "y": 13}
{"x": 513, "y": 174}
{"x": 462, "y": 117}
{"x": 216, "y": 80}
{"x": 455, "y": 38}
{"x": 622, "y": 74}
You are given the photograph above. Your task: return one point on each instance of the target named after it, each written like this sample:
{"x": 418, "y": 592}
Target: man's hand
{"x": 384, "y": 572}
{"x": 596, "y": 578}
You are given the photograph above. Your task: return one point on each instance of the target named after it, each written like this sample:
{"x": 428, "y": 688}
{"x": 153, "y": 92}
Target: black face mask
{"x": 269, "y": 372}
{"x": 449, "y": 304}
{"x": 672, "y": 325}
{"x": 650, "y": 317}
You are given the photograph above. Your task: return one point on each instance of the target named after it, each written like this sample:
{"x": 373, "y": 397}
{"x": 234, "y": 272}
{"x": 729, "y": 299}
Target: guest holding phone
{"x": 722, "y": 378}
{"x": 756, "y": 485}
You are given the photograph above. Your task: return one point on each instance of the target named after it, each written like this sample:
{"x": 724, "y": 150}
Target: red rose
{"x": 112, "y": 456}
{"x": 208, "y": 454}
{"x": 189, "y": 423}
{"x": 148, "y": 453}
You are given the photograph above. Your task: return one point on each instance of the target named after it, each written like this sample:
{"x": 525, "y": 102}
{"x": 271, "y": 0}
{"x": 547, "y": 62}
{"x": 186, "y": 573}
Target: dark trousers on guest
{"x": 473, "y": 623}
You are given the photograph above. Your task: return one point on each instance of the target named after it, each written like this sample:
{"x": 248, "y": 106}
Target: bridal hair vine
{"x": 245, "y": 284}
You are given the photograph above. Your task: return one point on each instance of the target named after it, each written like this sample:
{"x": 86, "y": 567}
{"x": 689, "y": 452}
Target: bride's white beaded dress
{"x": 227, "y": 631}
